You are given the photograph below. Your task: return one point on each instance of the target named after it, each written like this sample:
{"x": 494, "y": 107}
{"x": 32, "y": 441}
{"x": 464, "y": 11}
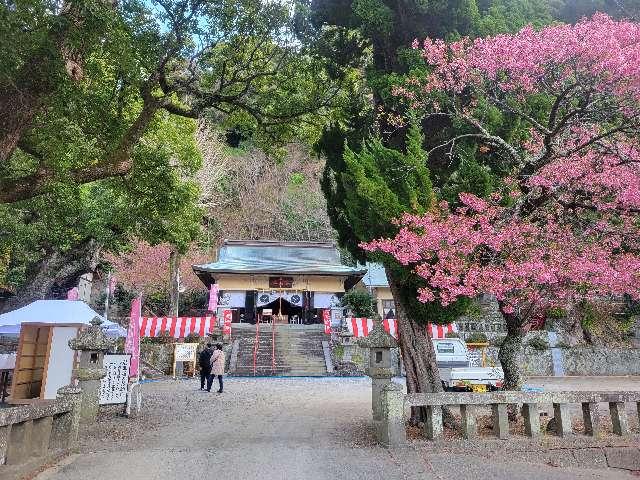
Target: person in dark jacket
{"x": 205, "y": 367}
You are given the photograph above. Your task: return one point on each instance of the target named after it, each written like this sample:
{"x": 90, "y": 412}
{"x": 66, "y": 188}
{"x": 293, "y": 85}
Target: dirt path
{"x": 268, "y": 429}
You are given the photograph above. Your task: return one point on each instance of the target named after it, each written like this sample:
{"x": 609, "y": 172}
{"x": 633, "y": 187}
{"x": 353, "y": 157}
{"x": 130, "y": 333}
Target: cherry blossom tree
{"x": 564, "y": 224}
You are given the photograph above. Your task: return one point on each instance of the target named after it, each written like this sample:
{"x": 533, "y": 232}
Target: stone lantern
{"x": 92, "y": 344}
{"x": 379, "y": 369}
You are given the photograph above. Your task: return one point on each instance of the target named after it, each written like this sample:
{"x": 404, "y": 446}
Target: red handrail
{"x": 255, "y": 346}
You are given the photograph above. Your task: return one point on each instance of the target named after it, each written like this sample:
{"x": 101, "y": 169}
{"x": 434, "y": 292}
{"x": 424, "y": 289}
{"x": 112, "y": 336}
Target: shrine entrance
{"x": 282, "y": 312}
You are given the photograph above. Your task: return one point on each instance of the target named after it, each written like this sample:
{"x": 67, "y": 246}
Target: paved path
{"x": 271, "y": 429}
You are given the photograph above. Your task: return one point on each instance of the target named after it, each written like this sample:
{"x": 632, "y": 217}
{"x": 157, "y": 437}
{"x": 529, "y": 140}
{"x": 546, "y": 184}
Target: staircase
{"x": 298, "y": 350}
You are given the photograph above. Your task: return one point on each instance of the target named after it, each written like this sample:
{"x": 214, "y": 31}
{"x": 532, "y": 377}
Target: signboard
{"x": 114, "y": 386}
{"x": 326, "y": 319}
{"x": 184, "y": 352}
{"x": 280, "y": 282}
{"x": 227, "y": 316}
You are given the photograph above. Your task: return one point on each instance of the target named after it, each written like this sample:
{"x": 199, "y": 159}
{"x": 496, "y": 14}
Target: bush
{"x": 477, "y": 337}
{"x": 360, "y": 302}
{"x": 452, "y": 335}
{"x": 539, "y": 344}
{"x": 556, "y": 313}
{"x": 497, "y": 342}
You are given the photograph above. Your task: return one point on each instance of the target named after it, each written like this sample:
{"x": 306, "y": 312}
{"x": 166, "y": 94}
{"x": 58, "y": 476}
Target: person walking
{"x": 217, "y": 366}
{"x": 205, "y": 367}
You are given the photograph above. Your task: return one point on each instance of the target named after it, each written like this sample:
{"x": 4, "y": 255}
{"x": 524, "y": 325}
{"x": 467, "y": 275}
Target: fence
{"x": 391, "y": 428}
{"x": 31, "y": 431}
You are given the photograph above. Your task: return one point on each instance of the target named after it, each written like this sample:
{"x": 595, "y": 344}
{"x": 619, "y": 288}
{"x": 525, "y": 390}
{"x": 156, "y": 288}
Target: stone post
{"x": 562, "y": 418}
{"x": 391, "y": 430}
{"x": 379, "y": 344}
{"x": 433, "y": 423}
{"x": 500, "y": 420}
{"x": 468, "y": 418}
{"x": 64, "y": 429}
{"x": 590, "y": 418}
{"x": 619, "y": 418}
{"x": 92, "y": 344}
{"x": 531, "y": 415}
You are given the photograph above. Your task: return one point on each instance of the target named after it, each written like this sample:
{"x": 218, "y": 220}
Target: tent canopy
{"x": 55, "y": 312}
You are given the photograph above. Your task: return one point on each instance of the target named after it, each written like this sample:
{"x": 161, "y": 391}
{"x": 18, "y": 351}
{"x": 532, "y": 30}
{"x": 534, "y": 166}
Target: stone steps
{"x": 298, "y": 350}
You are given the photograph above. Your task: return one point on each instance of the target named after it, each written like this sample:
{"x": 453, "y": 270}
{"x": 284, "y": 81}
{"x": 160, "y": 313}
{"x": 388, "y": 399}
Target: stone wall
{"x": 157, "y": 356}
{"x": 577, "y": 361}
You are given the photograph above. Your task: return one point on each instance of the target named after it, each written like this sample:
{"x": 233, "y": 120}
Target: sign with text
{"x": 326, "y": 319}
{"x": 227, "y": 316}
{"x": 185, "y": 352}
{"x": 280, "y": 282}
{"x": 113, "y": 387}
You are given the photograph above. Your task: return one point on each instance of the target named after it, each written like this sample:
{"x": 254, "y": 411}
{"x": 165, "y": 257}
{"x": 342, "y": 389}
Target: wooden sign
{"x": 114, "y": 386}
{"x": 184, "y": 352}
{"x": 280, "y": 282}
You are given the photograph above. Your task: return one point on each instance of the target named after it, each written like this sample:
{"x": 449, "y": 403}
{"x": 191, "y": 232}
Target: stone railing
{"x": 391, "y": 432}
{"x": 32, "y": 431}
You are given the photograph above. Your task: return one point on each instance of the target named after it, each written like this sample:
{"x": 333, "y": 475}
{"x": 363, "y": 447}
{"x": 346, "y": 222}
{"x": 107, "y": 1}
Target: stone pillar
{"x": 619, "y": 418}
{"x": 92, "y": 344}
{"x": 391, "y": 430}
{"x": 379, "y": 344}
{"x": 562, "y": 418}
{"x": 64, "y": 430}
{"x": 433, "y": 423}
{"x": 19, "y": 449}
{"x": 5, "y": 433}
{"x": 531, "y": 419}
{"x": 346, "y": 342}
{"x": 468, "y": 417}
{"x": 41, "y": 435}
{"x": 590, "y": 419}
{"x": 500, "y": 420}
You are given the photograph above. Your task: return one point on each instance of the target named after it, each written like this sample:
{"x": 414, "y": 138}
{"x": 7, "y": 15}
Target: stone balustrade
{"x": 391, "y": 428}
{"x": 35, "y": 430}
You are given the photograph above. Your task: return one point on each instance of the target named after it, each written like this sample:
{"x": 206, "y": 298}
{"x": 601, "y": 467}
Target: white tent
{"x": 55, "y": 312}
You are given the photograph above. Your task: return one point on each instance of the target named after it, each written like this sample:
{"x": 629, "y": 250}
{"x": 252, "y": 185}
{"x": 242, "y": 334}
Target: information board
{"x": 113, "y": 387}
{"x": 185, "y": 352}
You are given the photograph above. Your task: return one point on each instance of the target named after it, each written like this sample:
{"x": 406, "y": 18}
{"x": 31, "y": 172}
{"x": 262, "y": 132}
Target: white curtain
{"x": 233, "y": 299}
{"x": 325, "y": 300}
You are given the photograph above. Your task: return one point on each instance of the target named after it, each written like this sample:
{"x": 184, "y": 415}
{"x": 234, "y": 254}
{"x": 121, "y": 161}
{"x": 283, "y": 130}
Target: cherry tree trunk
{"x": 509, "y": 351}
{"x": 417, "y": 350}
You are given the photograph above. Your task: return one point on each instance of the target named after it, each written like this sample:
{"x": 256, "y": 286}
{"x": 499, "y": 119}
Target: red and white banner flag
{"x": 440, "y": 331}
{"x": 390, "y": 326}
{"x": 132, "y": 343}
{"x": 213, "y": 297}
{"x": 227, "y": 316}
{"x": 326, "y": 318}
{"x": 176, "y": 327}
{"x": 359, "y": 327}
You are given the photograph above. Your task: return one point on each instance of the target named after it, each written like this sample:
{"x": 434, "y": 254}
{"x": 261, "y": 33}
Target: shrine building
{"x": 287, "y": 282}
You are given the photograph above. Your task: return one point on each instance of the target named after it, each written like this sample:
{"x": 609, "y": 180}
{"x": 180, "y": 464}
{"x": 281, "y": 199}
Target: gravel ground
{"x": 265, "y": 429}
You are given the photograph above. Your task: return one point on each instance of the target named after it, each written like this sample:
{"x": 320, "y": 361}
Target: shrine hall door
{"x": 31, "y": 362}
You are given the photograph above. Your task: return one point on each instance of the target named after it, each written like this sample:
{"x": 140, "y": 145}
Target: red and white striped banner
{"x": 440, "y": 331}
{"x": 360, "y": 327}
{"x": 176, "y": 327}
{"x": 227, "y": 316}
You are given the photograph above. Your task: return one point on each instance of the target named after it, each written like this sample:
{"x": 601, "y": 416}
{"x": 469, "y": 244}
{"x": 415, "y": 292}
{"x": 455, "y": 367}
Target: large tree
{"x": 92, "y": 76}
{"x": 376, "y": 35}
{"x": 563, "y": 227}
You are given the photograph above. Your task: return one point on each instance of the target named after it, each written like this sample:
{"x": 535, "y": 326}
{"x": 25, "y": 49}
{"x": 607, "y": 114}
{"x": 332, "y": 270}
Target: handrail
{"x": 255, "y": 347}
{"x": 273, "y": 347}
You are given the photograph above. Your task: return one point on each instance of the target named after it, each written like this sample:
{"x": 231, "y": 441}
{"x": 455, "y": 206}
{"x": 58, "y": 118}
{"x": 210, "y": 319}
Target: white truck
{"x": 458, "y": 372}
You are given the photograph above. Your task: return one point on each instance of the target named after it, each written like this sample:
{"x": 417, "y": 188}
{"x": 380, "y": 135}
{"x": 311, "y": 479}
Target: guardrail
{"x": 391, "y": 428}
{"x": 31, "y": 431}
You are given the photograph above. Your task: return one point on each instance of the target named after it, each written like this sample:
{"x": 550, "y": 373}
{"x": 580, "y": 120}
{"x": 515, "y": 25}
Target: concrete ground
{"x": 270, "y": 429}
